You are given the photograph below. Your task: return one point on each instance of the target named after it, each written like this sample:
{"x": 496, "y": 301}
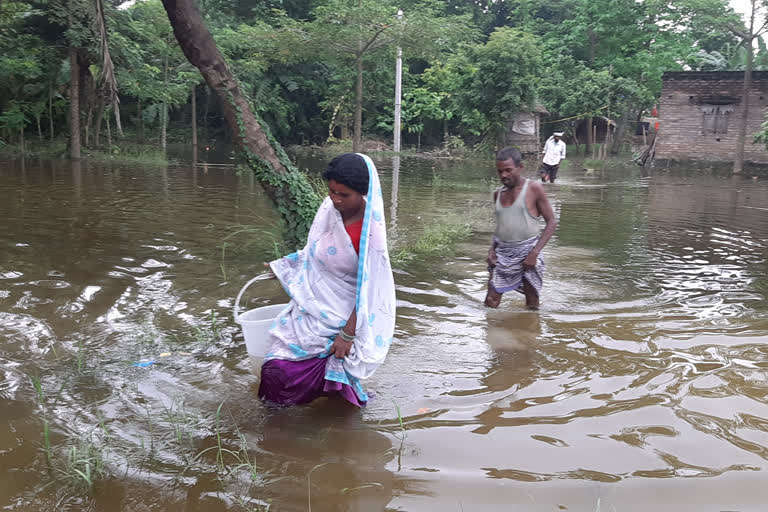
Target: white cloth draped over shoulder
{"x": 326, "y": 280}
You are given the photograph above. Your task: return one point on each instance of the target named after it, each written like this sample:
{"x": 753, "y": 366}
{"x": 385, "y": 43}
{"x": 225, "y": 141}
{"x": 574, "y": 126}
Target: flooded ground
{"x": 641, "y": 384}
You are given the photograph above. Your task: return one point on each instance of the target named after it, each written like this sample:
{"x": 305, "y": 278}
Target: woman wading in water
{"x": 338, "y": 327}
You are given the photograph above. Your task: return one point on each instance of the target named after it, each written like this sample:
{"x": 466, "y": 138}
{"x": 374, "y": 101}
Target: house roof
{"x": 712, "y": 75}
{"x": 538, "y": 109}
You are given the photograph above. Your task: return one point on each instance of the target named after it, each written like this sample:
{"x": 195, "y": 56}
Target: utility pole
{"x": 398, "y": 90}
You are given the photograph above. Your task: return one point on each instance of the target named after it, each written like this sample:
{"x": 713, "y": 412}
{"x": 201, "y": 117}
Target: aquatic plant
{"x": 402, "y": 434}
{"x": 221, "y": 265}
{"x": 38, "y": 385}
{"x": 436, "y": 239}
{"x": 129, "y": 153}
{"x": 83, "y": 464}
{"x": 309, "y": 484}
{"x": 591, "y": 163}
{"x": 207, "y": 333}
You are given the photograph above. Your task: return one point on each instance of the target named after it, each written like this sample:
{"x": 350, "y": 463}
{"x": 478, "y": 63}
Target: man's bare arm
{"x": 545, "y": 210}
{"x": 492, "y": 249}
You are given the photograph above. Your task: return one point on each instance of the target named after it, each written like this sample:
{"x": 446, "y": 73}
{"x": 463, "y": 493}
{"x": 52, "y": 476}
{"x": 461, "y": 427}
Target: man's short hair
{"x": 510, "y": 153}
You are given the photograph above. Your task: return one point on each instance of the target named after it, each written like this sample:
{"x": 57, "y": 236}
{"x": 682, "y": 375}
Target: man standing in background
{"x": 554, "y": 151}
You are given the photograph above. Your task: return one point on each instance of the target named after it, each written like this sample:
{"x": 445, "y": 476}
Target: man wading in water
{"x": 554, "y": 151}
{"x": 514, "y": 262}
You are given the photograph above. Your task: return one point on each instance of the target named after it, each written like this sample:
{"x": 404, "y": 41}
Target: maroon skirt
{"x": 300, "y": 382}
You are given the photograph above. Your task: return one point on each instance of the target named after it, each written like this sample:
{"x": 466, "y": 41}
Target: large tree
{"x": 285, "y": 185}
{"x": 756, "y": 25}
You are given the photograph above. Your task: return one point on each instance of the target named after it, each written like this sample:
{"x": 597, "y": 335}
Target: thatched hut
{"x": 523, "y": 130}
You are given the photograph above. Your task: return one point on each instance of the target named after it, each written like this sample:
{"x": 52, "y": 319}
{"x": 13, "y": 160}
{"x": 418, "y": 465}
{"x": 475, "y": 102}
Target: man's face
{"x": 509, "y": 173}
{"x": 557, "y": 138}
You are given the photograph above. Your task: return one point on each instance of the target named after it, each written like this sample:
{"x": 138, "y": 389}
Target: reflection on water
{"x": 645, "y": 369}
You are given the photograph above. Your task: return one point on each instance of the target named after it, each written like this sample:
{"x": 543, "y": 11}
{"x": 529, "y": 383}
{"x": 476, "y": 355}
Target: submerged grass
{"x": 130, "y": 153}
{"x": 591, "y": 163}
{"x": 402, "y": 434}
{"x": 437, "y": 239}
{"x": 37, "y": 383}
{"x": 121, "y": 151}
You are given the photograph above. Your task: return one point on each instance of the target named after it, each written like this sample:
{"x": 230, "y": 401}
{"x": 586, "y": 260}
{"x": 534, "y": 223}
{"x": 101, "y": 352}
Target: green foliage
{"x": 12, "y": 120}
{"x": 437, "y": 239}
{"x": 733, "y": 58}
{"x": 468, "y": 66}
{"x": 576, "y": 90}
{"x": 150, "y": 64}
{"x": 506, "y": 75}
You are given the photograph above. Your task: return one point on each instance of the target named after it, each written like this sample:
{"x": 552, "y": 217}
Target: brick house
{"x": 699, "y": 114}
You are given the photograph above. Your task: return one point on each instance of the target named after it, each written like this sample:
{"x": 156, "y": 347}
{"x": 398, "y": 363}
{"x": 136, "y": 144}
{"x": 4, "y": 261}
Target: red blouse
{"x": 354, "y": 230}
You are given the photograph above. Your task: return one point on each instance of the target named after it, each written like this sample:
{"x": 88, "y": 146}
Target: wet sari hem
{"x": 288, "y": 382}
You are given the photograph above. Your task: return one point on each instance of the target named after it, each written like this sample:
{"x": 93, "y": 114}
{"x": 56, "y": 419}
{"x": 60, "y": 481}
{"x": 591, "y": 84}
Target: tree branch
{"x": 369, "y": 43}
{"x": 381, "y": 43}
{"x": 737, "y": 32}
{"x": 761, "y": 30}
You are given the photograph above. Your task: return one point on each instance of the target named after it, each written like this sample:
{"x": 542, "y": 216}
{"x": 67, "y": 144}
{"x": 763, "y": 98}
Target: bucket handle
{"x": 242, "y": 290}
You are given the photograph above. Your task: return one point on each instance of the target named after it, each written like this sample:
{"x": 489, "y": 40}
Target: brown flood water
{"x": 642, "y": 384}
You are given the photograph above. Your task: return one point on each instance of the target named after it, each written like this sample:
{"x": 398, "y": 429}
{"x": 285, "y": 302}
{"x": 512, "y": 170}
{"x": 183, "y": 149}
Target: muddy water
{"x": 640, "y": 385}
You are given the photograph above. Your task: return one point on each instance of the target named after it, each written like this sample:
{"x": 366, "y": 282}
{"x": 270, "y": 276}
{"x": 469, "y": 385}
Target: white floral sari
{"x": 326, "y": 280}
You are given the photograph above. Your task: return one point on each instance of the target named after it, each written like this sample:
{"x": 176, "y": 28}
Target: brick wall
{"x": 684, "y": 98}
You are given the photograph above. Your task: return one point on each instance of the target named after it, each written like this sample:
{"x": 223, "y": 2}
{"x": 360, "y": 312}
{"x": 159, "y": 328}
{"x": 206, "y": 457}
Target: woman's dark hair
{"x": 348, "y": 169}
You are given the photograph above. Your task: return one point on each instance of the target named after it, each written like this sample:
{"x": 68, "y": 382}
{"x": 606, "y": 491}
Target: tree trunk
{"x": 88, "y": 122}
{"x": 619, "y": 133}
{"x": 741, "y": 140}
{"x": 99, "y": 117}
{"x": 194, "y": 118}
{"x": 592, "y": 45}
{"x": 50, "y": 112}
{"x": 74, "y": 105}
{"x": 206, "y": 107}
{"x": 357, "y": 142}
{"x": 109, "y": 134}
{"x": 21, "y": 137}
{"x": 89, "y": 87}
{"x": 163, "y": 124}
{"x": 118, "y": 122}
{"x": 345, "y": 129}
{"x": 164, "y": 108}
{"x": 291, "y": 193}
{"x": 140, "y": 124}
{"x": 39, "y": 128}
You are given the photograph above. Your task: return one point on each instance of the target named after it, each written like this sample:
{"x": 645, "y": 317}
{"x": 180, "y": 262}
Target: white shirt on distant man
{"x": 554, "y": 149}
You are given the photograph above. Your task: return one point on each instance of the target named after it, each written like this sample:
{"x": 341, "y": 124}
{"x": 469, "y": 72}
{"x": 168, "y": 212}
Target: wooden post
{"x": 594, "y": 140}
{"x": 645, "y": 138}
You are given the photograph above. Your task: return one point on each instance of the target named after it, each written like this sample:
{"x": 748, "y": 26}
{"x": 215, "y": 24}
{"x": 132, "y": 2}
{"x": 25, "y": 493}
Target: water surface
{"x": 640, "y": 385}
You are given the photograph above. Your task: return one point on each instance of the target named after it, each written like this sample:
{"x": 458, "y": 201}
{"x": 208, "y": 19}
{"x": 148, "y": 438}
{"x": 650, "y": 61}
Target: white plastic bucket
{"x": 256, "y": 322}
